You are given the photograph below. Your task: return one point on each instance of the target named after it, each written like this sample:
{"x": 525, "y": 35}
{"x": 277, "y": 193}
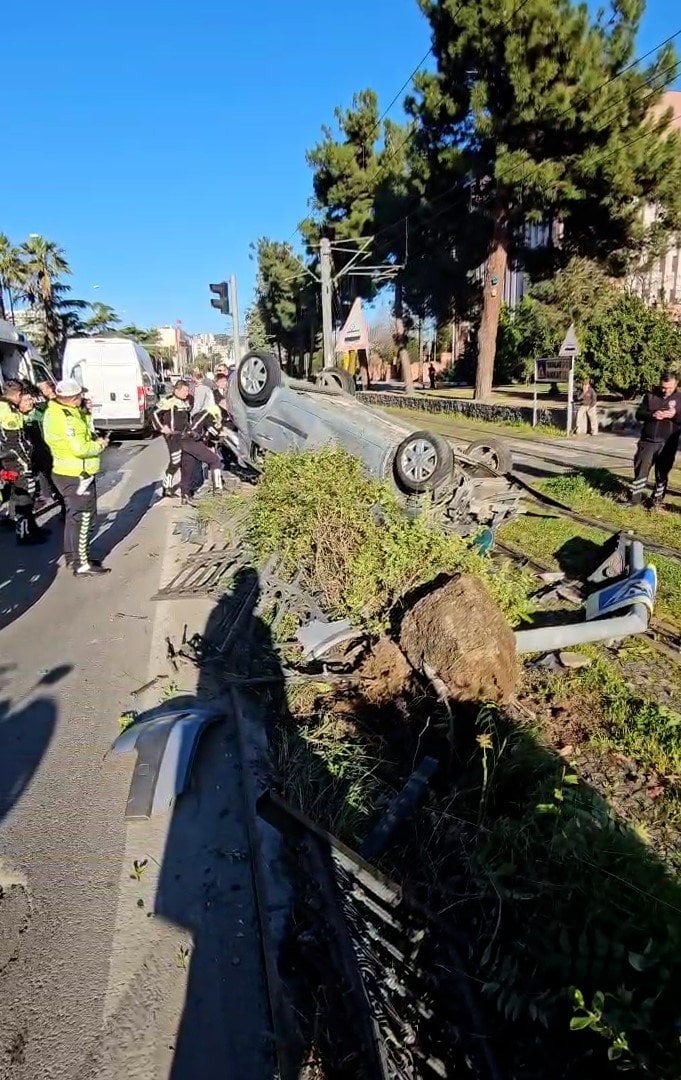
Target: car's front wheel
{"x": 258, "y": 375}
{"x": 422, "y": 461}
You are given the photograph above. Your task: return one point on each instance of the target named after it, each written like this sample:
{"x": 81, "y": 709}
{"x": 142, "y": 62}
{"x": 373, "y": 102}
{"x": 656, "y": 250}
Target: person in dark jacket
{"x": 15, "y": 462}
{"x": 660, "y": 415}
{"x": 203, "y": 429}
{"x": 172, "y": 417}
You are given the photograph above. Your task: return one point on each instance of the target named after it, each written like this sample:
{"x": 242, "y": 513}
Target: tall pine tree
{"x": 537, "y": 115}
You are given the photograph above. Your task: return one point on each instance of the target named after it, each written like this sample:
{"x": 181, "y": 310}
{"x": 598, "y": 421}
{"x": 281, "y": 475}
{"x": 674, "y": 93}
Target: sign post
{"x": 559, "y": 368}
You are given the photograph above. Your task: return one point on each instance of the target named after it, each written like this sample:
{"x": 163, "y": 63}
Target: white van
{"x": 18, "y": 358}
{"x": 119, "y": 377}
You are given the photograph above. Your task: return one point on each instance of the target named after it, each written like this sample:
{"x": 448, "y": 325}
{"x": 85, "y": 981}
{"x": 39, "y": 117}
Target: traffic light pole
{"x": 234, "y": 303}
{"x": 325, "y": 266}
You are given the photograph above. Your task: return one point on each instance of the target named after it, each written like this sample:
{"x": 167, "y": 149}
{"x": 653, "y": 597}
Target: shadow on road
{"x": 206, "y": 882}
{"x": 117, "y": 525}
{"x": 26, "y": 730}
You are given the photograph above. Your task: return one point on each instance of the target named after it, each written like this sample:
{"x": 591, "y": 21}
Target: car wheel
{"x": 337, "y": 378}
{"x": 258, "y": 375}
{"x": 489, "y": 452}
{"x": 422, "y": 461}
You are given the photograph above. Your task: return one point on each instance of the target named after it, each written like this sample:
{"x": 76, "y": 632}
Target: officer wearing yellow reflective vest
{"x": 76, "y": 453}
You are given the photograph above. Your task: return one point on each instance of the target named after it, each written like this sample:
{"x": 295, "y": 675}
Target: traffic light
{"x": 222, "y": 290}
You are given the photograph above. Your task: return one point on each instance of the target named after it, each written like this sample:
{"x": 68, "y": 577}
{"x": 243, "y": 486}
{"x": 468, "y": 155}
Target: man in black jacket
{"x": 660, "y": 415}
{"x": 172, "y": 417}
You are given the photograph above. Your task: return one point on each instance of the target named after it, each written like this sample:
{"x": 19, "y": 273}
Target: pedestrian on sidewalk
{"x": 203, "y": 430}
{"x": 76, "y": 454}
{"x": 660, "y": 415}
{"x": 171, "y": 418}
{"x": 587, "y": 410}
{"x": 432, "y": 375}
{"x": 16, "y": 404}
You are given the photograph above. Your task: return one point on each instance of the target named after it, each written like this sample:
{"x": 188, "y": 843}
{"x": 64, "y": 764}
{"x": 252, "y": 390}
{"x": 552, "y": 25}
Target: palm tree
{"x": 42, "y": 262}
{"x": 149, "y": 338}
{"x": 102, "y": 321}
{"x": 10, "y": 274}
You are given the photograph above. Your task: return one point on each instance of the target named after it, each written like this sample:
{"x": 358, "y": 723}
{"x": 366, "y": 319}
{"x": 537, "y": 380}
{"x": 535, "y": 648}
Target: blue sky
{"x": 154, "y": 141}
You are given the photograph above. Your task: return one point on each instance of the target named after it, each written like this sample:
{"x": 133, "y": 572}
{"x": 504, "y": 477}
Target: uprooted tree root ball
{"x": 459, "y": 634}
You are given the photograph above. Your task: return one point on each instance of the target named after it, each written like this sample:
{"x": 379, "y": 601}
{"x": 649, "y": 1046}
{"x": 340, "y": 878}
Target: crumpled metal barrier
{"x": 634, "y": 594}
{"x": 166, "y": 744}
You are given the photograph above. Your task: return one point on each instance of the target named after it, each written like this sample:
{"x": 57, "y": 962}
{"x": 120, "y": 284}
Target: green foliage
{"x": 535, "y": 114}
{"x": 628, "y": 345}
{"x": 594, "y": 493}
{"x": 256, "y": 332}
{"x": 102, "y": 320}
{"x": 524, "y": 334}
{"x": 331, "y": 774}
{"x": 572, "y": 547}
{"x": 573, "y": 900}
{"x": 633, "y": 724}
{"x": 285, "y": 297}
{"x": 319, "y": 513}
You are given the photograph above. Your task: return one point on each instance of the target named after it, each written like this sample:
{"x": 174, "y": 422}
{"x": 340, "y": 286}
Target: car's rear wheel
{"x": 258, "y": 375}
{"x": 337, "y": 378}
{"x": 422, "y": 461}
{"x": 495, "y": 455}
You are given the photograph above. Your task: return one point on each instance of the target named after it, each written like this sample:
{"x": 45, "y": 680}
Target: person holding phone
{"x": 660, "y": 415}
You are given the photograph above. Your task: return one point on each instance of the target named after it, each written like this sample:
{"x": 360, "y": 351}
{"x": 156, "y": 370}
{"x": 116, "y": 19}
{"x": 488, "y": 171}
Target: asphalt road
{"x": 106, "y": 973}
{"x": 70, "y": 652}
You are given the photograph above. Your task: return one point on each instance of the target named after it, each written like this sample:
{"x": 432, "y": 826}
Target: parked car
{"x": 274, "y": 413}
{"x": 120, "y": 379}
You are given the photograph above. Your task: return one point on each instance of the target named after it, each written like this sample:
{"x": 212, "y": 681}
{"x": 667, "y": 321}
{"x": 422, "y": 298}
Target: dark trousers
{"x": 171, "y": 479}
{"x": 660, "y": 455}
{"x": 194, "y": 451}
{"x": 22, "y": 500}
{"x": 80, "y": 499}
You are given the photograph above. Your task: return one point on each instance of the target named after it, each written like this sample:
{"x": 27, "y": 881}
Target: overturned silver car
{"x": 274, "y": 413}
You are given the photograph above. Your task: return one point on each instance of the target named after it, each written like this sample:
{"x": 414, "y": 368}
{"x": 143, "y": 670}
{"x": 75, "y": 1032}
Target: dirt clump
{"x": 385, "y": 673}
{"x": 458, "y": 633}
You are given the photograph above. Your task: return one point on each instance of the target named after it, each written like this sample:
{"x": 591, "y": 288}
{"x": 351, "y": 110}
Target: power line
{"x": 536, "y": 165}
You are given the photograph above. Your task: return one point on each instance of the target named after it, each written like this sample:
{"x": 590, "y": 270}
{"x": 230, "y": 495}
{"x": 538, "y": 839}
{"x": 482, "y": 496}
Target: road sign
{"x": 570, "y": 346}
{"x": 553, "y": 369}
{"x": 355, "y": 332}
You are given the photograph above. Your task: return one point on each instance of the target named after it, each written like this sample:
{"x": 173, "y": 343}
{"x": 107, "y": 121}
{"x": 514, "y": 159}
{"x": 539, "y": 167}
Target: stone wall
{"x": 474, "y": 410}
{"x": 615, "y": 418}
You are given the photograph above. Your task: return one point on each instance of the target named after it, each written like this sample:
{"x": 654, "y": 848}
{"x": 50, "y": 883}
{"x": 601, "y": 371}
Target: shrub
{"x": 349, "y": 535}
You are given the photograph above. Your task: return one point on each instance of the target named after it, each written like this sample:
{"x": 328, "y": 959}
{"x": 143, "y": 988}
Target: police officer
{"x": 660, "y": 414}
{"x": 15, "y": 452}
{"x": 171, "y": 418}
{"x": 76, "y": 454}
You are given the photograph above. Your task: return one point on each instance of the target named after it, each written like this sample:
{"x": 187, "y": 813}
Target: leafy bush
{"x": 524, "y": 334}
{"x": 349, "y": 534}
{"x": 627, "y": 345}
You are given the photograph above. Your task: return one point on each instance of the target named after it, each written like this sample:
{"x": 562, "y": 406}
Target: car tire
{"x": 496, "y": 455}
{"x": 422, "y": 461}
{"x": 257, "y": 377}
{"x": 338, "y": 378}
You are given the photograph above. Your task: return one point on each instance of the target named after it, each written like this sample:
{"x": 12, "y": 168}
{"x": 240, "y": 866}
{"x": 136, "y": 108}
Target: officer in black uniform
{"x": 171, "y": 417}
{"x": 15, "y": 456}
{"x": 660, "y": 414}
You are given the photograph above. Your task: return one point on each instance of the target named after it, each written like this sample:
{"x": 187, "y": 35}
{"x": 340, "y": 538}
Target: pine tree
{"x": 536, "y": 115}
